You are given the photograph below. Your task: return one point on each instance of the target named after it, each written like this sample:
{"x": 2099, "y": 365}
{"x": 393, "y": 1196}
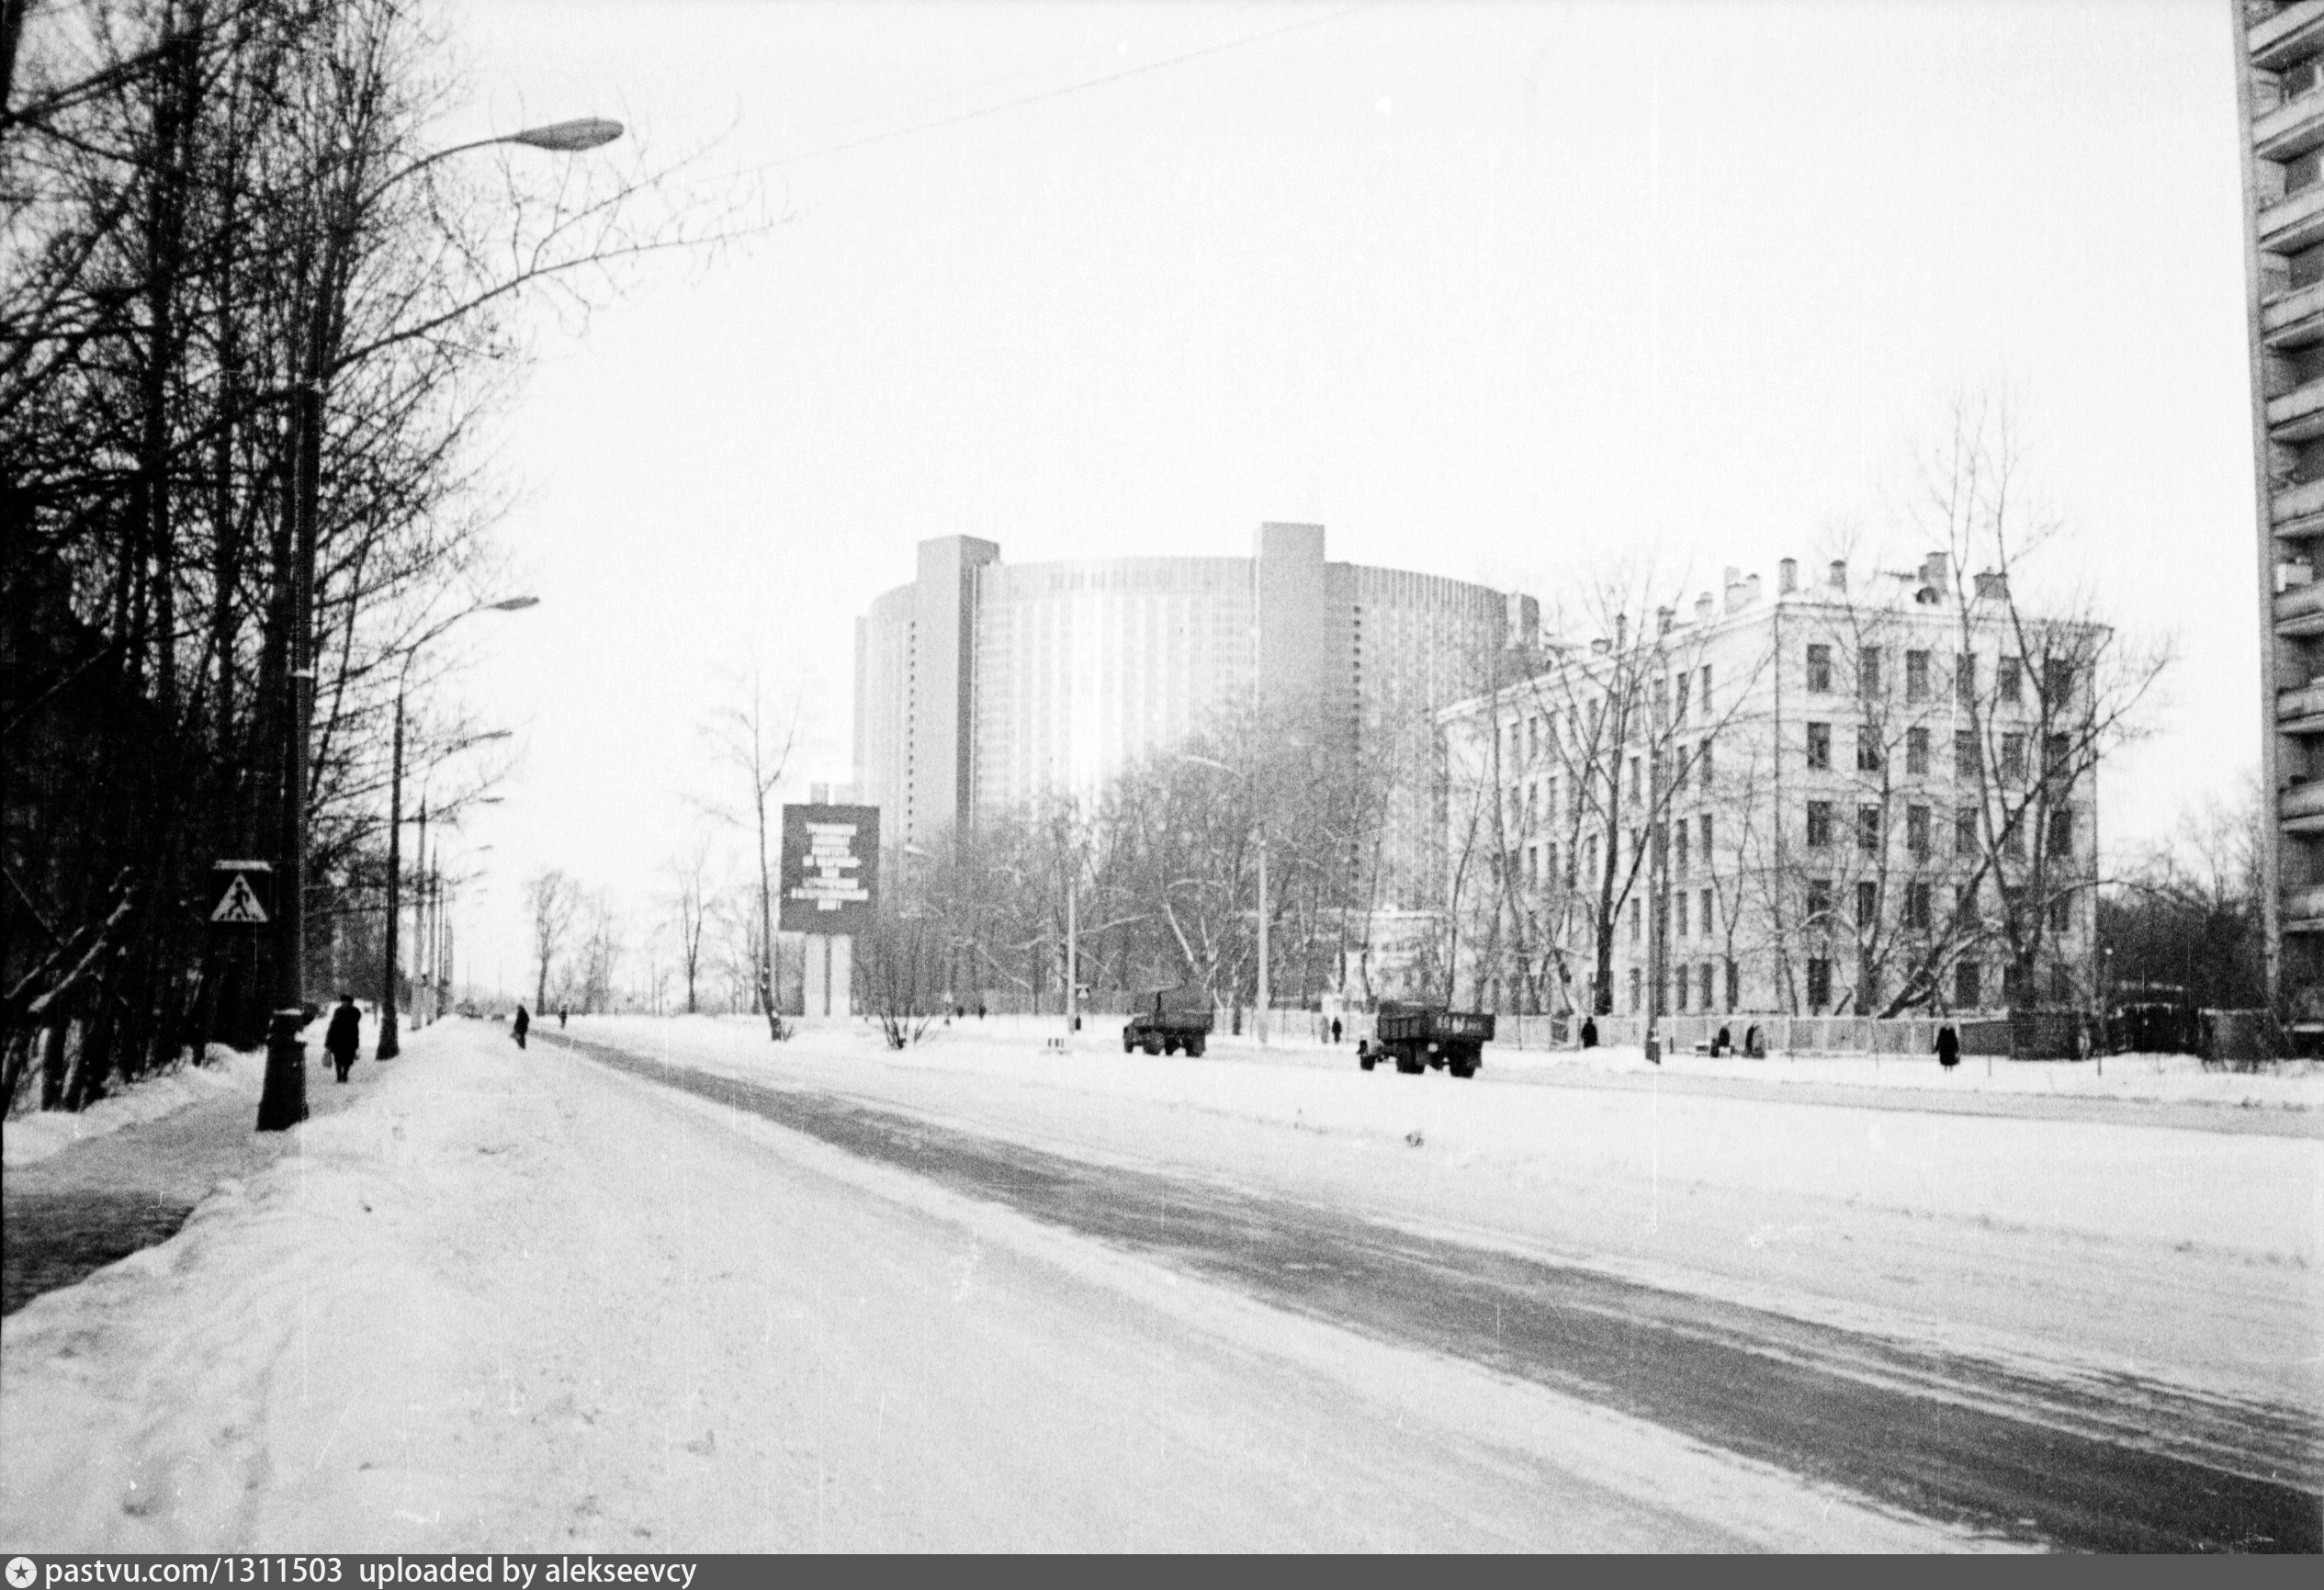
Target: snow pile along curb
{"x": 28, "y": 1139}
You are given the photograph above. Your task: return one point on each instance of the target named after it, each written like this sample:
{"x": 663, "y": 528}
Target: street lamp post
{"x": 282, "y": 1103}
{"x": 1258, "y": 1020}
{"x": 389, "y": 1040}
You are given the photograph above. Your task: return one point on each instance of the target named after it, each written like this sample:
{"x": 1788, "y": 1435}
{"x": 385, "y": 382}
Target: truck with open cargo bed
{"x": 1417, "y": 1037}
{"x": 1169, "y": 1020}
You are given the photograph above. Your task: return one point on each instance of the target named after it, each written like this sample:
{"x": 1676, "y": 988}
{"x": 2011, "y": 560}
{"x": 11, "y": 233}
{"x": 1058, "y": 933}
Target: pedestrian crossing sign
{"x": 242, "y": 894}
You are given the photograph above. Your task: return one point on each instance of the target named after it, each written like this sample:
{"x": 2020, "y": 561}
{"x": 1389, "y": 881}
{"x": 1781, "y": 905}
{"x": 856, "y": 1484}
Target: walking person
{"x": 1948, "y": 1046}
{"x": 560, "y": 1018}
{"x": 1589, "y": 1032}
{"x": 1335, "y": 1029}
{"x": 345, "y": 1035}
{"x": 524, "y": 1025}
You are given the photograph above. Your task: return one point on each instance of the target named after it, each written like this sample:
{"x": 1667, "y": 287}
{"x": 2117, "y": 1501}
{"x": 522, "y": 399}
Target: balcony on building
{"x": 2301, "y": 711}
{"x": 2299, "y": 612}
{"x": 2294, "y": 221}
{"x": 2291, "y": 35}
{"x": 2301, "y": 807}
{"x": 2303, "y": 909}
{"x": 2297, "y": 416}
{"x": 2294, "y": 317}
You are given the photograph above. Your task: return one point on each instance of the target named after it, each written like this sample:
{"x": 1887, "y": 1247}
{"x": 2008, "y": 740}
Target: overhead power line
{"x": 980, "y": 112}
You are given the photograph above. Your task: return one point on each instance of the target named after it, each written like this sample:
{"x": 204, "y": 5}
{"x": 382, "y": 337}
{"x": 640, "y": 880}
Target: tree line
{"x": 216, "y": 211}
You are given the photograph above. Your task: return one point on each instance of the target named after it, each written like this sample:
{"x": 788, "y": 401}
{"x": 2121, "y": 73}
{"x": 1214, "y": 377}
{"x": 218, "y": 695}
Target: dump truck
{"x": 1419, "y": 1036}
{"x": 1169, "y": 1020}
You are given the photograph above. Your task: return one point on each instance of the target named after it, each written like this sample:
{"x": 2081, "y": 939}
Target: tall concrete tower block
{"x": 944, "y": 631}
{"x": 1292, "y": 614}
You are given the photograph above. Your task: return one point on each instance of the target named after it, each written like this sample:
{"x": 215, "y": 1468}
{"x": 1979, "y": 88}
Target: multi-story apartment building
{"x": 984, "y": 685}
{"x": 2281, "y": 90}
{"x": 1848, "y": 799}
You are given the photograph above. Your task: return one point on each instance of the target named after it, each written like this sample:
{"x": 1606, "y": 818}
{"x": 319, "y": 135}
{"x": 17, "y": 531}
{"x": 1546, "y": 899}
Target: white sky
{"x": 1486, "y": 290}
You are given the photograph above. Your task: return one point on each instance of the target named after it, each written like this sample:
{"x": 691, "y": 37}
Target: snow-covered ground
{"x": 2090, "y": 1247}
{"x": 32, "y": 1136}
{"x": 520, "y": 1301}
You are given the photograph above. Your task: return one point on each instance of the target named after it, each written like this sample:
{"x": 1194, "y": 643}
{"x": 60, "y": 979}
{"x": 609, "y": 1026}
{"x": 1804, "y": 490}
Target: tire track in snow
{"x": 2128, "y": 1466}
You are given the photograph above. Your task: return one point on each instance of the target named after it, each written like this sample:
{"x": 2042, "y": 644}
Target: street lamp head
{"x": 514, "y": 605}
{"x": 570, "y": 136}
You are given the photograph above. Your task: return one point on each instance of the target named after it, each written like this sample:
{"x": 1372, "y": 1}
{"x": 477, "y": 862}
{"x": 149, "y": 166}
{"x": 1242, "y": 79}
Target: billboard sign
{"x": 830, "y": 868}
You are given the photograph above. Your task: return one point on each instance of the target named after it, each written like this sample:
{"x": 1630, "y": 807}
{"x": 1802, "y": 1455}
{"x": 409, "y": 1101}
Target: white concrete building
{"x": 983, "y": 684}
{"x": 1842, "y": 800}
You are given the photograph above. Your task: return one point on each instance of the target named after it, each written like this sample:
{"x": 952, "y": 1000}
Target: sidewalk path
{"x": 102, "y": 1200}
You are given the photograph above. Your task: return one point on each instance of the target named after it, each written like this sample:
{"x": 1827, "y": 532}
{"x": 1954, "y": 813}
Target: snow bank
{"x": 27, "y": 1138}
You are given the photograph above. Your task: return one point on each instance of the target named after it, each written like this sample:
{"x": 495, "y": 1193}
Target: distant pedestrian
{"x": 1754, "y": 1042}
{"x": 1948, "y": 1046}
{"x": 980, "y": 1012}
{"x": 1724, "y": 1043}
{"x": 524, "y": 1025}
{"x": 1589, "y": 1032}
{"x": 1334, "y": 1029}
{"x": 345, "y": 1035}
{"x": 560, "y": 1018}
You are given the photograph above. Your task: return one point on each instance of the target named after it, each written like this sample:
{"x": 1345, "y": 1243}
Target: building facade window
{"x": 2061, "y": 834}
{"x": 1734, "y": 984}
{"x": 1703, "y": 822}
{"x": 1916, "y": 676}
{"x": 1867, "y": 673}
{"x": 1819, "y": 825}
{"x": 1916, "y": 907}
{"x": 1638, "y": 982}
{"x": 1967, "y": 992}
{"x": 1965, "y": 754}
{"x": 1917, "y": 751}
{"x": 2009, "y": 681}
{"x": 1702, "y": 769}
{"x": 1965, "y": 679}
{"x": 2058, "y": 682}
{"x": 1819, "y": 670}
{"x": 1818, "y": 983}
{"x": 1966, "y": 846}
{"x": 1867, "y": 904}
{"x": 1705, "y": 929}
{"x": 2014, "y": 756}
{"x": 1868, "y": 829}
{"x": 1818, "y": 901}
{"x": 1702, "y": 702}
{"x": 1867, "y": 749}
{"x": 1819, "y": 745}
{"x": 1916, "y": 832}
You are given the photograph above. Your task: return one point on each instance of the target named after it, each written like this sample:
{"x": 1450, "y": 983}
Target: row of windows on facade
{"x": 2009, "y": 680}
{"x": 1969, "y": 985}
{"x": 1526, "y": 801}
{"x": 1695, "y": 914}
{"x": 1525, "y": 734}
{"x": 1968, "y": 759}
{"x": 1686, "y": 840}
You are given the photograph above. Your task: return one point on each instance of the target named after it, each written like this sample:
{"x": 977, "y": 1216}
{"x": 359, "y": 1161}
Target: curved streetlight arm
{"x": 563, "y": 137}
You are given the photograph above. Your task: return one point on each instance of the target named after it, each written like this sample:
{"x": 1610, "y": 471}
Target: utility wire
{"x": 1061, "y": 92}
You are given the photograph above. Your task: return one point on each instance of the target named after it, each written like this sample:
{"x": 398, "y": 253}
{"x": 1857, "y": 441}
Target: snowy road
{"x": 977, "y": 1297}
{"x": 2130, "y": 1465}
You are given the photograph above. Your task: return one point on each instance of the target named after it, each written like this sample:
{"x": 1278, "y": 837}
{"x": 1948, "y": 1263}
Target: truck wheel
{"x": 1153, "y": 1044}
{"x": 1366, "y": 1061}
{"x": 1194, "y": 1048}
{"x": 1129, "y": 1044}
{"x": 1409, "y": 1065}
{"x": 1170, "y": 1045}
{"x": 1462, "y": 1067}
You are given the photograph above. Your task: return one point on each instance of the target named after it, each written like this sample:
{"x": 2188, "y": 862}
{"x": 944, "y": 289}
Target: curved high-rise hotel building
{"x": 983, "y": 684}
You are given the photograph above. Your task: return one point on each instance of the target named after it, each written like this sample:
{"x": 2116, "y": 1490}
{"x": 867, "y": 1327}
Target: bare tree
{"x": 754, "y": 737}
{"x": 690, "y": 897}
{"x": 552, "y": 900}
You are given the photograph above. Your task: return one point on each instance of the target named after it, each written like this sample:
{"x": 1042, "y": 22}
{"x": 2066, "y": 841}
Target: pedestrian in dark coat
{"x": 1724, "y": 1043}
{"x": 1948, "y": 1046}
{"x": 1589, "y": 1032}
{"x": 560, "y": 1016}
{"x": 1334, "y": 1029}
{"x": 524, "y": 1025}
{"x": 345, "y": 1035}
